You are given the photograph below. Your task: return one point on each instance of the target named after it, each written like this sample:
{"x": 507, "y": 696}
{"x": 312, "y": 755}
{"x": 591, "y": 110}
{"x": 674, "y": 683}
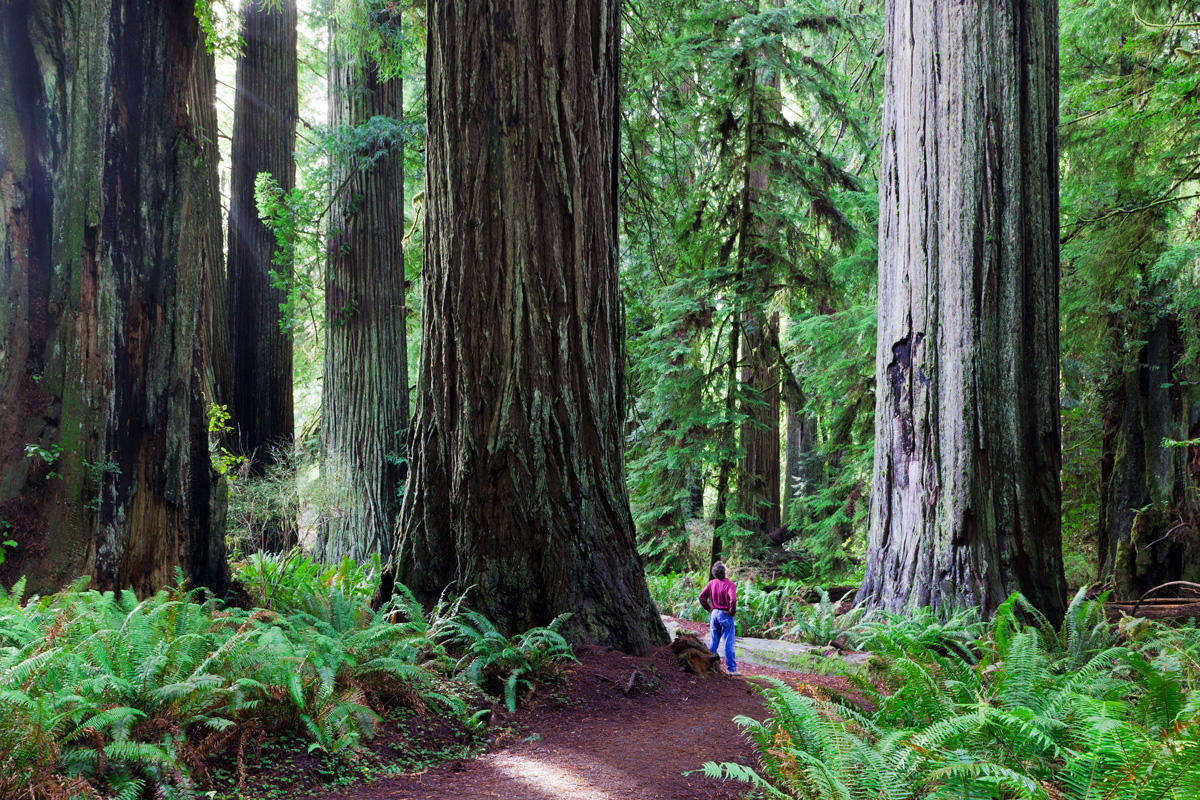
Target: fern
{"x": 1026, "y": 710}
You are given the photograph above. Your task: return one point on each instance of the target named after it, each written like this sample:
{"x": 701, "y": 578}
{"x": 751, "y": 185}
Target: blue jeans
{"x": 723, "y": 627}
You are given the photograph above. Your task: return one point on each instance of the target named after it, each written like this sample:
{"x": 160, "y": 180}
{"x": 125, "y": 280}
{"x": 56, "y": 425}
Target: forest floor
{"x": 616, "y": 726}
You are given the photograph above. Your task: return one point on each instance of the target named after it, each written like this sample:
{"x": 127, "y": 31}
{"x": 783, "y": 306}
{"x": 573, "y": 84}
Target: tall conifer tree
{"x": 518, "y": 484}
{"x": 364, "y": 404}
{"x": 111, "y": 277}
{"x": 965, "y": 501}
{"x": 264, "y": 140}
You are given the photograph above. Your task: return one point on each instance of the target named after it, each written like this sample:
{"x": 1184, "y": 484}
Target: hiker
{"x": 719, "y": 598}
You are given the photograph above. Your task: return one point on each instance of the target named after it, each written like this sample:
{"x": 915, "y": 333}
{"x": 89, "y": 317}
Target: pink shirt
{"x": 720, "y": 593}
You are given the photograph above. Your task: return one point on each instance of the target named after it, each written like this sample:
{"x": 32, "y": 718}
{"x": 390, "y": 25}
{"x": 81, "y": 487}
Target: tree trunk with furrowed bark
{"x": 364, "y": 405}
{"x": 111, "y": 295}
{"x": 965, "y": 501}
{"x": 264, "y": 140}
{"x": 518, "y": 479}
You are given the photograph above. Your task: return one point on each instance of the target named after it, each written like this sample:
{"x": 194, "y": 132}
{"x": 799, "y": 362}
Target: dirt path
{"x": 604, "y": 743}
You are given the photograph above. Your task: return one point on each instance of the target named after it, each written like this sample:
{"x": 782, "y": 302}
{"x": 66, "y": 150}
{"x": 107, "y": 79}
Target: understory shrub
{"x": 1027, "y": 710}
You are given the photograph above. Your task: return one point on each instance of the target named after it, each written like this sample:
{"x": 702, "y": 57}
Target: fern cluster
{"x": 1027, "y": 710}
{"x": 103, "y": 694}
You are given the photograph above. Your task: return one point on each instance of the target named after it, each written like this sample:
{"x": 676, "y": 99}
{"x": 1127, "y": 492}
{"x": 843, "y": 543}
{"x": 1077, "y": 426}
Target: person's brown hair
{"x": 718, "y": 570}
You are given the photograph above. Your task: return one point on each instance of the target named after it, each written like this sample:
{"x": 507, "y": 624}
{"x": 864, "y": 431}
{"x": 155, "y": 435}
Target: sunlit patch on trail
{"x": 549, "y": 778}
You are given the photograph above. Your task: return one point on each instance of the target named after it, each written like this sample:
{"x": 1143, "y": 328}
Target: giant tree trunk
{"x": 364, "y": 405}
{"x": 965, "y": 501}
{"x": 264, "y": 138}
{"x": 1149, "y": 495}
{"x": 109, "y": 250}
{"x": 518, "y": 487}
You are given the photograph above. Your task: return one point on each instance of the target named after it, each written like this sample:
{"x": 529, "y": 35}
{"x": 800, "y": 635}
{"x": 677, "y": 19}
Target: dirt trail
{"x": 604, "y": 743}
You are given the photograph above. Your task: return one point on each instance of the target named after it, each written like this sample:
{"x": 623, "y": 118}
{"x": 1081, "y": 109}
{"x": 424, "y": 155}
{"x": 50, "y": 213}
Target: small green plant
{"x": 49, "y": 455}
{"x": 7, "y": 544}
{"x": 224, "y": 461}
{"x": 820, "y": 624}
{"x": 96, "y": 473}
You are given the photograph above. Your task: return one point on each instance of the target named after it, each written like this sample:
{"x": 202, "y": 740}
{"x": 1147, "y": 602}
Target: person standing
{"x": 719, "y": 599}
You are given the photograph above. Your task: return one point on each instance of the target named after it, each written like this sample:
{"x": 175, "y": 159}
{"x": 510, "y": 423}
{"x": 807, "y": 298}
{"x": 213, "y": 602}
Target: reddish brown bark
{"x": 518, "y": 484}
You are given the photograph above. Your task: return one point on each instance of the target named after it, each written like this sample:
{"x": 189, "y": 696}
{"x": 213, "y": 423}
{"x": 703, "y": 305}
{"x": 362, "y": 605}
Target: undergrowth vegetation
{"x": 106, "y": 695}
{"x": 1086, "y": 711}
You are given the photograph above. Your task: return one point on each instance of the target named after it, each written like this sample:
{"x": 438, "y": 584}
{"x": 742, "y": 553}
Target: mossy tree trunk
{"x": 364, "y": 405}
{"x": 110, "y": 255}
{"x": 518, "y": 484}
{"x": 264, "y": 140}
{"x": 966, "y": 495}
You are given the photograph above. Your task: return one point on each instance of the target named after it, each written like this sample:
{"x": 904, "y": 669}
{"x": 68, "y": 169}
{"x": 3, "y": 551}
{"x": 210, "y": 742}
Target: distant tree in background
{"x": 1131, "y": 292}
{"x": 364, "y": 404}
{"x": 965, "y": 500}
{"x": 263, "y": 141}
{"x": 517, "y": 491}
{"x": 111, "y": 295}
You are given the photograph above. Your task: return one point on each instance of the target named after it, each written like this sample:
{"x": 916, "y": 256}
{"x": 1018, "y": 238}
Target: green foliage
{"x": 1129, "y": 255}
{"x": 820, "y": 624}
{"x": 219, "y": 22}
{"x": 492, "y": 661}
{"x": 264, "y": 507}
{"x": 678, "y": 595}
{"x": 224, "y": 461}
{"x": 96, "y": 473}
{"x": 103, "y": 694}
{"x": 739, "y": 118}
{"x": 1025, "y": 711}
{"x": 48, "y": 456}
{"x": 923, "y": 630}
{"x": 763, "y": 610}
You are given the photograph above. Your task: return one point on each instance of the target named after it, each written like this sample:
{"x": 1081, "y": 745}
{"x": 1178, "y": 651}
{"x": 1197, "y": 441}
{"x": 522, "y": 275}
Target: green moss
{"x": 12, "y": 146}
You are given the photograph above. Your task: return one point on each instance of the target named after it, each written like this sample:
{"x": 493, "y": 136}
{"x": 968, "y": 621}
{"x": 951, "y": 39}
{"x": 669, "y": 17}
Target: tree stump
{"x": 692, "y": 655}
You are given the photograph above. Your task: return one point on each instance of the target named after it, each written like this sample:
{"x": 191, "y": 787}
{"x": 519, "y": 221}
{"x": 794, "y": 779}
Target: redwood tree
{"x": 965, "y": 501}
{"x": 364, "y": 402}
{"x": 110, "y": 255}
{"x": 518, "y": 481}
{"x": 264, "y": 140}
